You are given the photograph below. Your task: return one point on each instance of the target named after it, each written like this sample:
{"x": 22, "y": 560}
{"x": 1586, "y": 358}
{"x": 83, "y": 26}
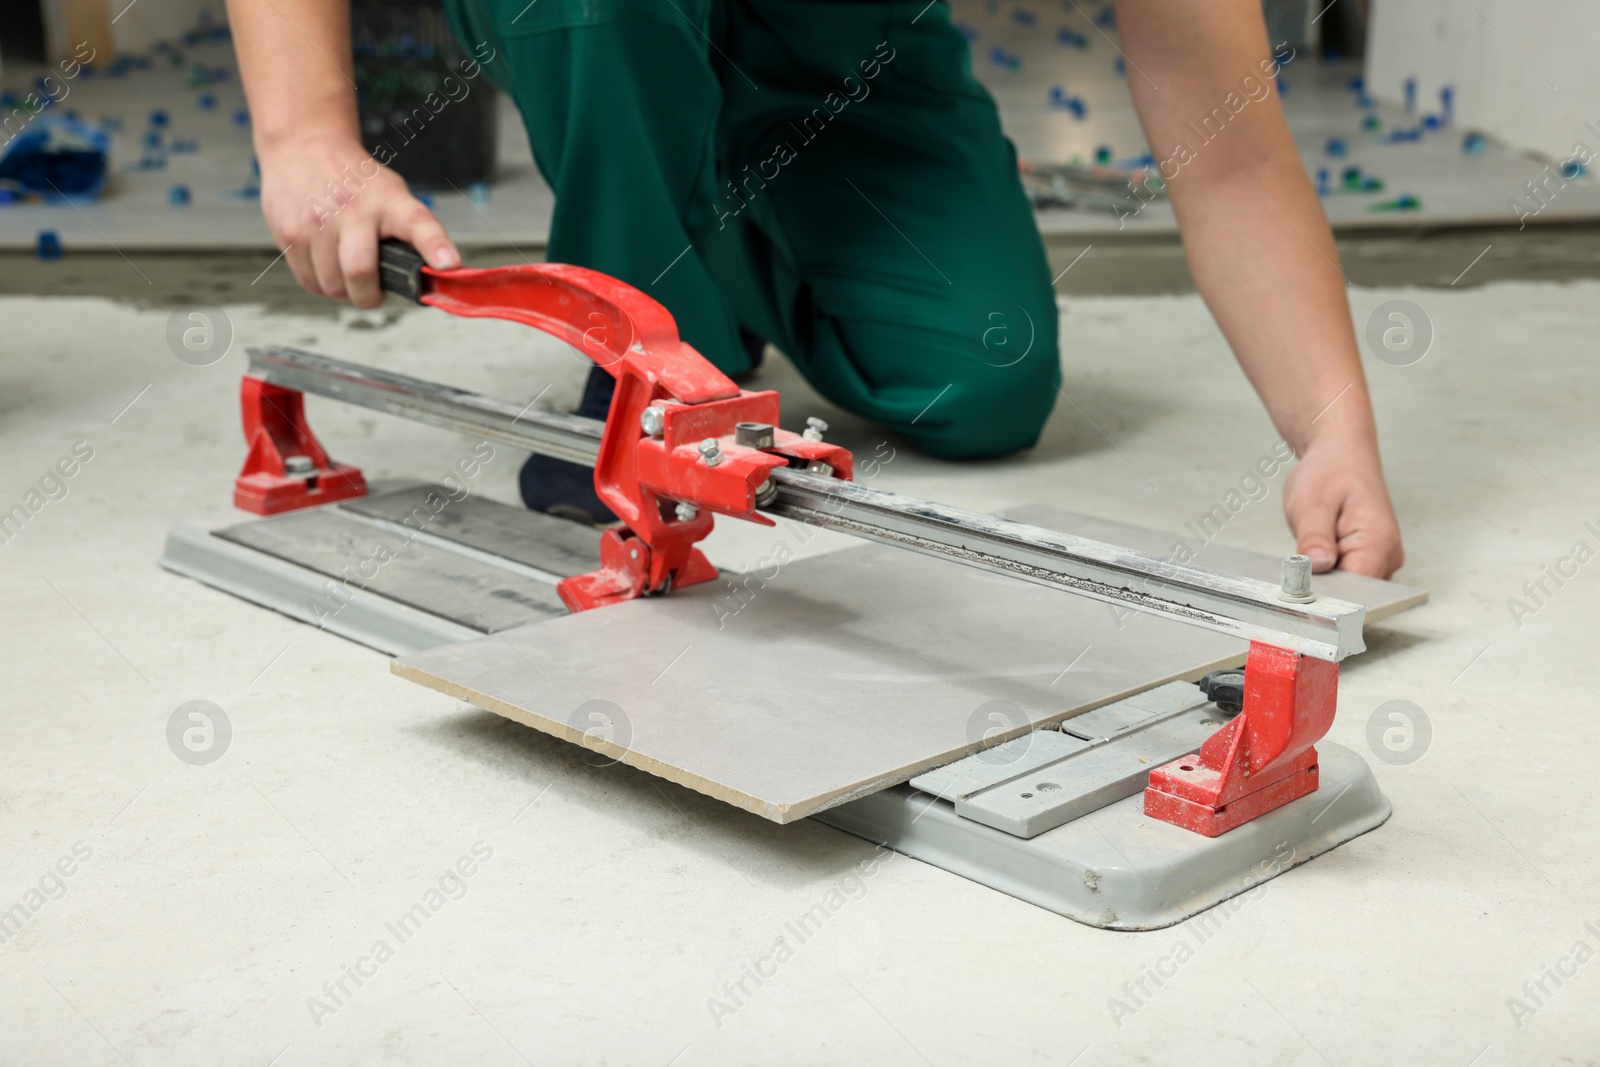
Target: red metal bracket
{"x": 286, "y": 467}
{"x": 1262, "y": 759}
{"x": 641, "y": 476}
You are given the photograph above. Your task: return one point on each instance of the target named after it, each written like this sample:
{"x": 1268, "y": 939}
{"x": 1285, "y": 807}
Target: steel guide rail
{"x": 1246, "y": 607}
{"x": 569, "y": 437}
{"x": 1243, "y": 607}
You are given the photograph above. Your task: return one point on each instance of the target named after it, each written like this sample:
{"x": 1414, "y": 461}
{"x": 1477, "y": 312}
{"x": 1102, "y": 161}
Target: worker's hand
{"x": 328, "y": 203}
{"x": 1338, "y": 506}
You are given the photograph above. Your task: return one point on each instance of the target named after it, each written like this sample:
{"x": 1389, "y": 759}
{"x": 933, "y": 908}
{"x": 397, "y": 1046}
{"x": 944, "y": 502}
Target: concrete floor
{"x": 611, "y": 917}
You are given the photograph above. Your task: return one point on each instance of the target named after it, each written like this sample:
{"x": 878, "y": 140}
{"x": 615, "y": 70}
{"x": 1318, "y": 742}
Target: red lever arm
{"x": 641, "y": 476}
{"x": 609, "y": 321}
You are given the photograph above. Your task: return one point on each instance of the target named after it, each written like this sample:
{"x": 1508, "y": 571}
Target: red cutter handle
{"x": 641, "y": 476}
{"x": 609, "y": 321}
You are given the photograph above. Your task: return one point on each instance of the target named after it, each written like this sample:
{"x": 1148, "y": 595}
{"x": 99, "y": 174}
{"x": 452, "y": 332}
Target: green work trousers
{"x": 826, "y": 174}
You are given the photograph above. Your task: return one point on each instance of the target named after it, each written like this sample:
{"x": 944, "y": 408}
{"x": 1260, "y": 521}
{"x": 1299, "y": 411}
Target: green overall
{"x": 826, "y": 174}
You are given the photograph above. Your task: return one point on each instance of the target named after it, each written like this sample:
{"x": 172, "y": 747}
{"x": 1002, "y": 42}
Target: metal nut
{"x": 685, "y": 511}
{"x": 298, "y": 467}
{"x": 815, "y": 428}
{"x": 653, "y": 420}
{"x": 710, "y": 451}
{"x": 753, "y": 434}
{"x": 817, "y": 466}
{"x": 1296, "y": 585}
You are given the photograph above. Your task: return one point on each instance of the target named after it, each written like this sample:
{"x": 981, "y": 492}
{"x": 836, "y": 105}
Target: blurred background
{"x": 1415, "y": 118}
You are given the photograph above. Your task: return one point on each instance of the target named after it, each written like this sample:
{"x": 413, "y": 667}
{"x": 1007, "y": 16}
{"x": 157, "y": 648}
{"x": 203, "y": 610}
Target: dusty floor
{"x": 211, "y": 911}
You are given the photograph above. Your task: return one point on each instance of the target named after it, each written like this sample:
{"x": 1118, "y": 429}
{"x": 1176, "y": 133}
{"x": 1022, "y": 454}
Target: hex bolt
{"x": 1296, "y": 586}
{"x": 298, "y": 466}
{"x": 753, "y": 434}
{"x": 653, "y": 421}
{"x": 685, "y": 511}
{"x": 710, "y": 451}
{"x": 815, "y": 428}
{"x": 817, "y": 466}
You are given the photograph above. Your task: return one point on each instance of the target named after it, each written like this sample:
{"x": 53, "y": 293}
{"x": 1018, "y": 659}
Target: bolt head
{"x": 653, "y": 421}
{"x": 298, "y": 466}
{"x": 685, "y": 511}
{"x": 710, "y": 451}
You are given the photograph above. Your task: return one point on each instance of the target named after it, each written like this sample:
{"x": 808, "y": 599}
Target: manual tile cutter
{"x": 683, "y": 442}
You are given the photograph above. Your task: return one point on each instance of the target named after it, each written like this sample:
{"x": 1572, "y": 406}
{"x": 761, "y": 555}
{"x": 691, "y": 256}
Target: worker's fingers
{"x": 1314, "y": 523}
{"x": 1340, "y": 514}
{"x": 298, "y": 256}
{"x": 1369, "y": 540}
{"x": 1370, "y": 556}
{"x": 330, "y": 235}
{"x": 358, "y": 261}
{"x": 325, "y": 261}
{"x": 405, "y": 217}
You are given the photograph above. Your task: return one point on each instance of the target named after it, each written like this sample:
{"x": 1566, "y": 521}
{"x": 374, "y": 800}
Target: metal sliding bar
{"x": 549, "y": 433}
{"x": 1243, "y": 607}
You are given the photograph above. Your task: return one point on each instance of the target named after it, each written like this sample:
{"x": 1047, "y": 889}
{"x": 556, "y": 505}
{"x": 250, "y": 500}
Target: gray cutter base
{"x": 193, "y": 550}
{"x": 1115, "y": 868}
{"x": 472, "y": 567}
{"x": 1112, "y": 867}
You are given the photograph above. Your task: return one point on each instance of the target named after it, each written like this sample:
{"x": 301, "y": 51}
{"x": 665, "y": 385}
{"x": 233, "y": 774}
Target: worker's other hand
{"x": 1338, "y": 507}
{"x": 328, "y": 203}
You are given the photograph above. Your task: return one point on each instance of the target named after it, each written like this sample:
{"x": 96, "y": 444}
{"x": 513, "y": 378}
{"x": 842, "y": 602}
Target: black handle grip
{"x": 400, "y": 269}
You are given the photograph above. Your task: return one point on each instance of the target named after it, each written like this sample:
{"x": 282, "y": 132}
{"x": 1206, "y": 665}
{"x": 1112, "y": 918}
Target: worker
{"x": 829, "y": 177}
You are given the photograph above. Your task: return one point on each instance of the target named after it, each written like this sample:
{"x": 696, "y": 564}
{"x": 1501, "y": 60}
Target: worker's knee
{"x": 972, "y": 390}
{"x": 988, "y": 411}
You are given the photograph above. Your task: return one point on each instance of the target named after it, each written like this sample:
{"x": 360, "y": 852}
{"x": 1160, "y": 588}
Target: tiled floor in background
{"x": 1452, "y": 186}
